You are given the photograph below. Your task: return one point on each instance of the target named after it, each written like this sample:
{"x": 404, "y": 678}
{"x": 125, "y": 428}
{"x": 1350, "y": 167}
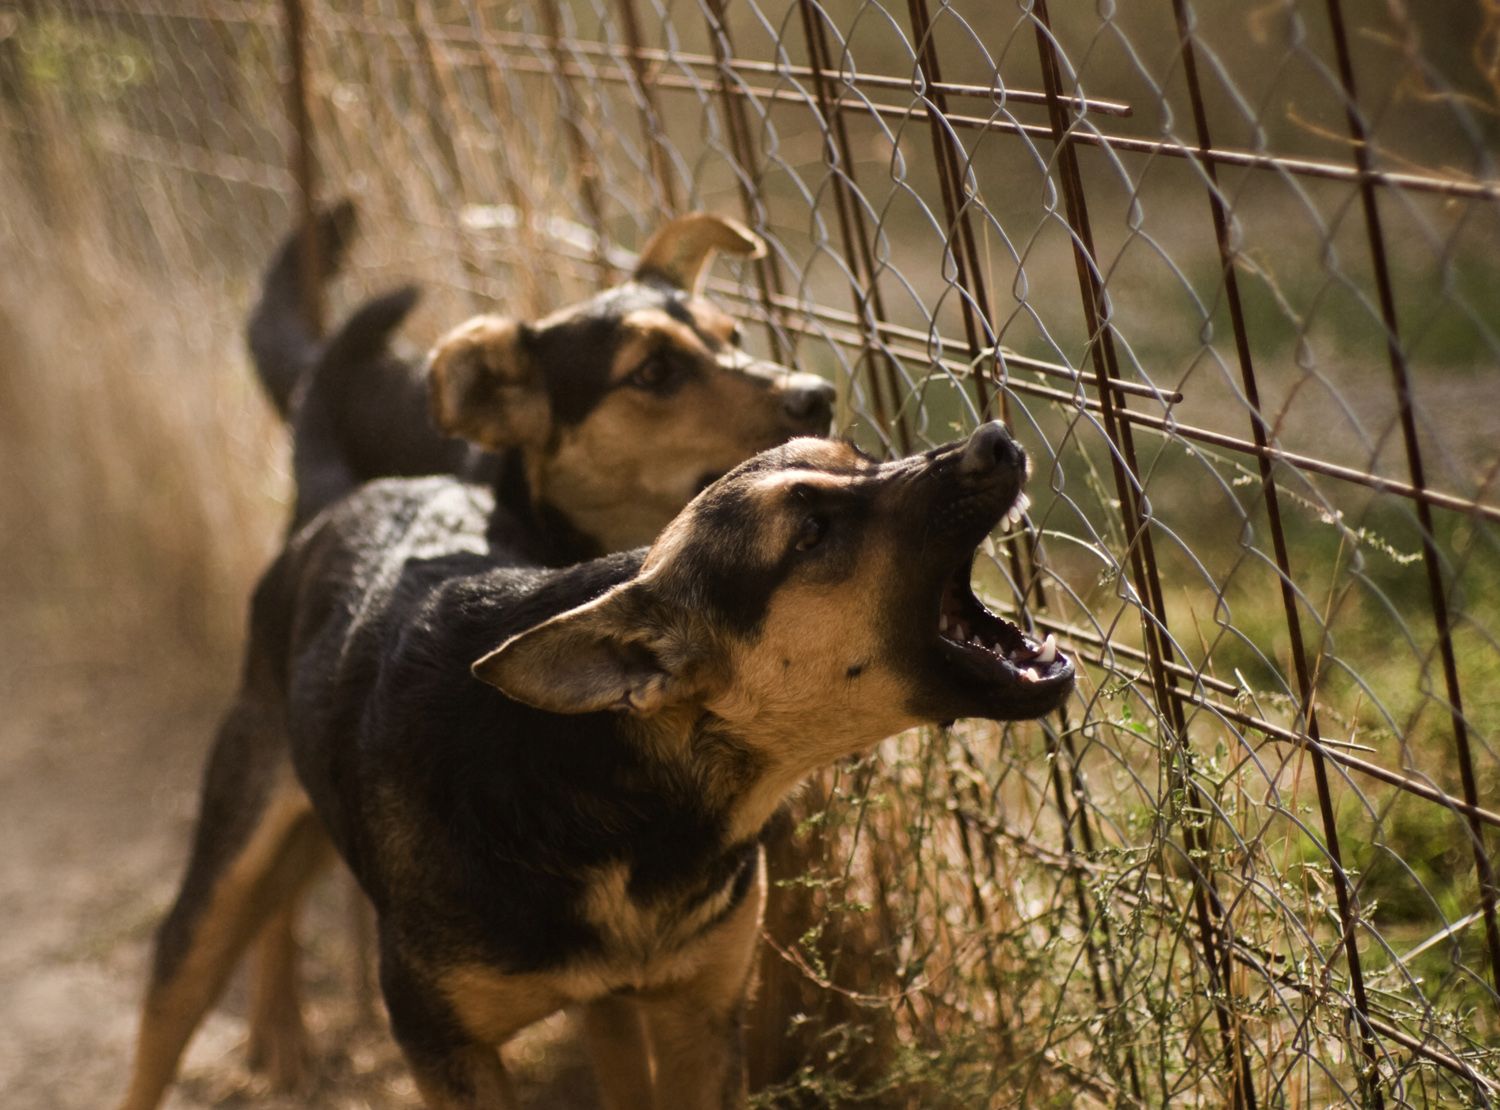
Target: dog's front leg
{"x": 700, "y": 1054}
{"x": 621, "y": 1054}
{"x": 470, "y": 1077}
{"x": 452, "y": 1071}
{"x": 451, "y": 1019}
{"x": 696, "y": 1027}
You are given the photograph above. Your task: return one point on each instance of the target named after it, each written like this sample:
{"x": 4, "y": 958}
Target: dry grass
{"x": 146, "y": 477}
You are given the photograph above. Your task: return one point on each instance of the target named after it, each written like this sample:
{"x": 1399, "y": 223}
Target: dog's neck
{"x": 737, "y": 781}
{"x": 550, "y": 537}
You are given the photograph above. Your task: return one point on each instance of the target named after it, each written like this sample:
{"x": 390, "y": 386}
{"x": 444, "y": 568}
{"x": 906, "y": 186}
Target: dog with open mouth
{"x": 552, "y": 782}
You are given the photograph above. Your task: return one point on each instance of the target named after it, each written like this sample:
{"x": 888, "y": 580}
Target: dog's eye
{"x": 654, "y": 373}
{"x": 810, "y": 532}
{"x": 736, "y": 336}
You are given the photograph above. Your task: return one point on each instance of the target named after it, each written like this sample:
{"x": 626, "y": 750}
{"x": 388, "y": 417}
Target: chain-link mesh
{"x": 1228, "y": 271}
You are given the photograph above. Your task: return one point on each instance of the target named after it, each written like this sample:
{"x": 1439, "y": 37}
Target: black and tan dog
{"x": 552, "y": 782}
{"x": 595, "y": 424}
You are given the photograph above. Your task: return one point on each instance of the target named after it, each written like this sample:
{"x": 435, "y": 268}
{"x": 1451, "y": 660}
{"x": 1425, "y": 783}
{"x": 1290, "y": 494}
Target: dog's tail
{"x": 284, "y": 342}
{"x": 322, "y": 461}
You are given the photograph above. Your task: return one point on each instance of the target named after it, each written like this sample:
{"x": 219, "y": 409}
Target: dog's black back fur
{"x": 416, "y": 599}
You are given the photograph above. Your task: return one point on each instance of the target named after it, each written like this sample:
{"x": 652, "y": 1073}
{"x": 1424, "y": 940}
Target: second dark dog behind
{"x": 594, "y": 424}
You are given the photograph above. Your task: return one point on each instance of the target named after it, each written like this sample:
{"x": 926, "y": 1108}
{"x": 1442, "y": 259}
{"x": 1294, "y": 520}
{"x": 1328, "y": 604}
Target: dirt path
{"x": 99, "y": 763}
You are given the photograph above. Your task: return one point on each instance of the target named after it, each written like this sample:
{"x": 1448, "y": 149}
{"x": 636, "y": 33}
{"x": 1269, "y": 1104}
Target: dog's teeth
{"x": 1049, "y": 650}
{"x": 944, "y": 624}
{"x": 1030, "y": 675}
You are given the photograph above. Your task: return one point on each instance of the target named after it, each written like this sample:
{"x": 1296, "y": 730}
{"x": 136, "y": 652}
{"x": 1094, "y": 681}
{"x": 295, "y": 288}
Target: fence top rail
{"x": 1079, "y": 132}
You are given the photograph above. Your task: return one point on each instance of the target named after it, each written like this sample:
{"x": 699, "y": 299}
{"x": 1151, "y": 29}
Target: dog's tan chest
{"x": 646, "y": 940}
{"x": 648, "y": 947}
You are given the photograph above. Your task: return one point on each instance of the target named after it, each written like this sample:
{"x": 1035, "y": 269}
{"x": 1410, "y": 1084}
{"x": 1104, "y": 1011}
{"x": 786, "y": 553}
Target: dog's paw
{"x": 281, "y": 1051}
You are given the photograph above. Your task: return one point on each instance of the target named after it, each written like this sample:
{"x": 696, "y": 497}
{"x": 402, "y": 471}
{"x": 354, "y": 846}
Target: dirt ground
{"x": 99, "y": 760}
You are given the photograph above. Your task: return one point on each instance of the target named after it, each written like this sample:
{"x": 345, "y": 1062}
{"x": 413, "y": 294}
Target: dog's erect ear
{"x": 616, "y": 652}
{"x": 484, "y": 386}
{"x": 681, "y": 251}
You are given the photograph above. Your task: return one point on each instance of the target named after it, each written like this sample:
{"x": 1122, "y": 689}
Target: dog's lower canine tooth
{"x": 1048, "y": 651}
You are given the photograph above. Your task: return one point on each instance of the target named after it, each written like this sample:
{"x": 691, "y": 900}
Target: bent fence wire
{"x": 1227, "y": 270}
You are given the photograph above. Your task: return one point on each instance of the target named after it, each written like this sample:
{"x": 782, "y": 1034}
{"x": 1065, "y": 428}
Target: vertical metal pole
{"x": 583, "y": 160}
{"x": 1402, "y": 380}
{"x": 1213, "y": 925}
{"x": 1261, "y": 434}
{"x": 869, "y": 305}
{"x": 652, "y": 131}
{"x": 304, "y": 171}
{"x": 981, "y": 337}
{"x": 304, "y": 167}
{"x": 970, "y": 274}
{"x": 444, "y": 132}
{"x": 767, "y": 269}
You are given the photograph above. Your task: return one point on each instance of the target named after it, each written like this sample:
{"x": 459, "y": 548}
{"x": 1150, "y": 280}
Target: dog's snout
{"x": 989, "y": 448}
{"x": 808, "y": 400}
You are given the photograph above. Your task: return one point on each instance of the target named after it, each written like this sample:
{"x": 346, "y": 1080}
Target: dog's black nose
{"x": 988, "y": 448}
{"x": 808, "y": 400}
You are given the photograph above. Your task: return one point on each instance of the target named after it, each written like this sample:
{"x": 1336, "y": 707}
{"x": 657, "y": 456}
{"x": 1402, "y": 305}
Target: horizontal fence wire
{"x": 1228, "y": 272}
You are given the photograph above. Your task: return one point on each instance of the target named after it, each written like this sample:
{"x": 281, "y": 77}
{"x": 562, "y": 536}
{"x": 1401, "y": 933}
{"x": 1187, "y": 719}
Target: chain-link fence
{"x": 1228, "y": 270}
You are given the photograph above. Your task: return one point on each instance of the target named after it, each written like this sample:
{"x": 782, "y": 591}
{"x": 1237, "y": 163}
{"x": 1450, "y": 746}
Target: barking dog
{"x": 593, "y": 427}
{"x": 552, "y": 782}
{"x": 595, "y": 424}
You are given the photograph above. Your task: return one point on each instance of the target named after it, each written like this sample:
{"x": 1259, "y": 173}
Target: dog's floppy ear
{"x": 681, "y": 251}
{"x": 483, "y": 385}
{"x": 621, "y": 651}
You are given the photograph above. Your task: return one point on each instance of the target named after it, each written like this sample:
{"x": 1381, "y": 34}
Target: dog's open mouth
{"x": 991, "y": 647}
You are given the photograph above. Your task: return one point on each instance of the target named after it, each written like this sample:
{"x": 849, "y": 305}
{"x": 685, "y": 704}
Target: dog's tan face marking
{"x": 628, "y": 404}
{"x": 817, "y": 664}
{"x": 820, "y": 461}
{"x": 681, "y": 407}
